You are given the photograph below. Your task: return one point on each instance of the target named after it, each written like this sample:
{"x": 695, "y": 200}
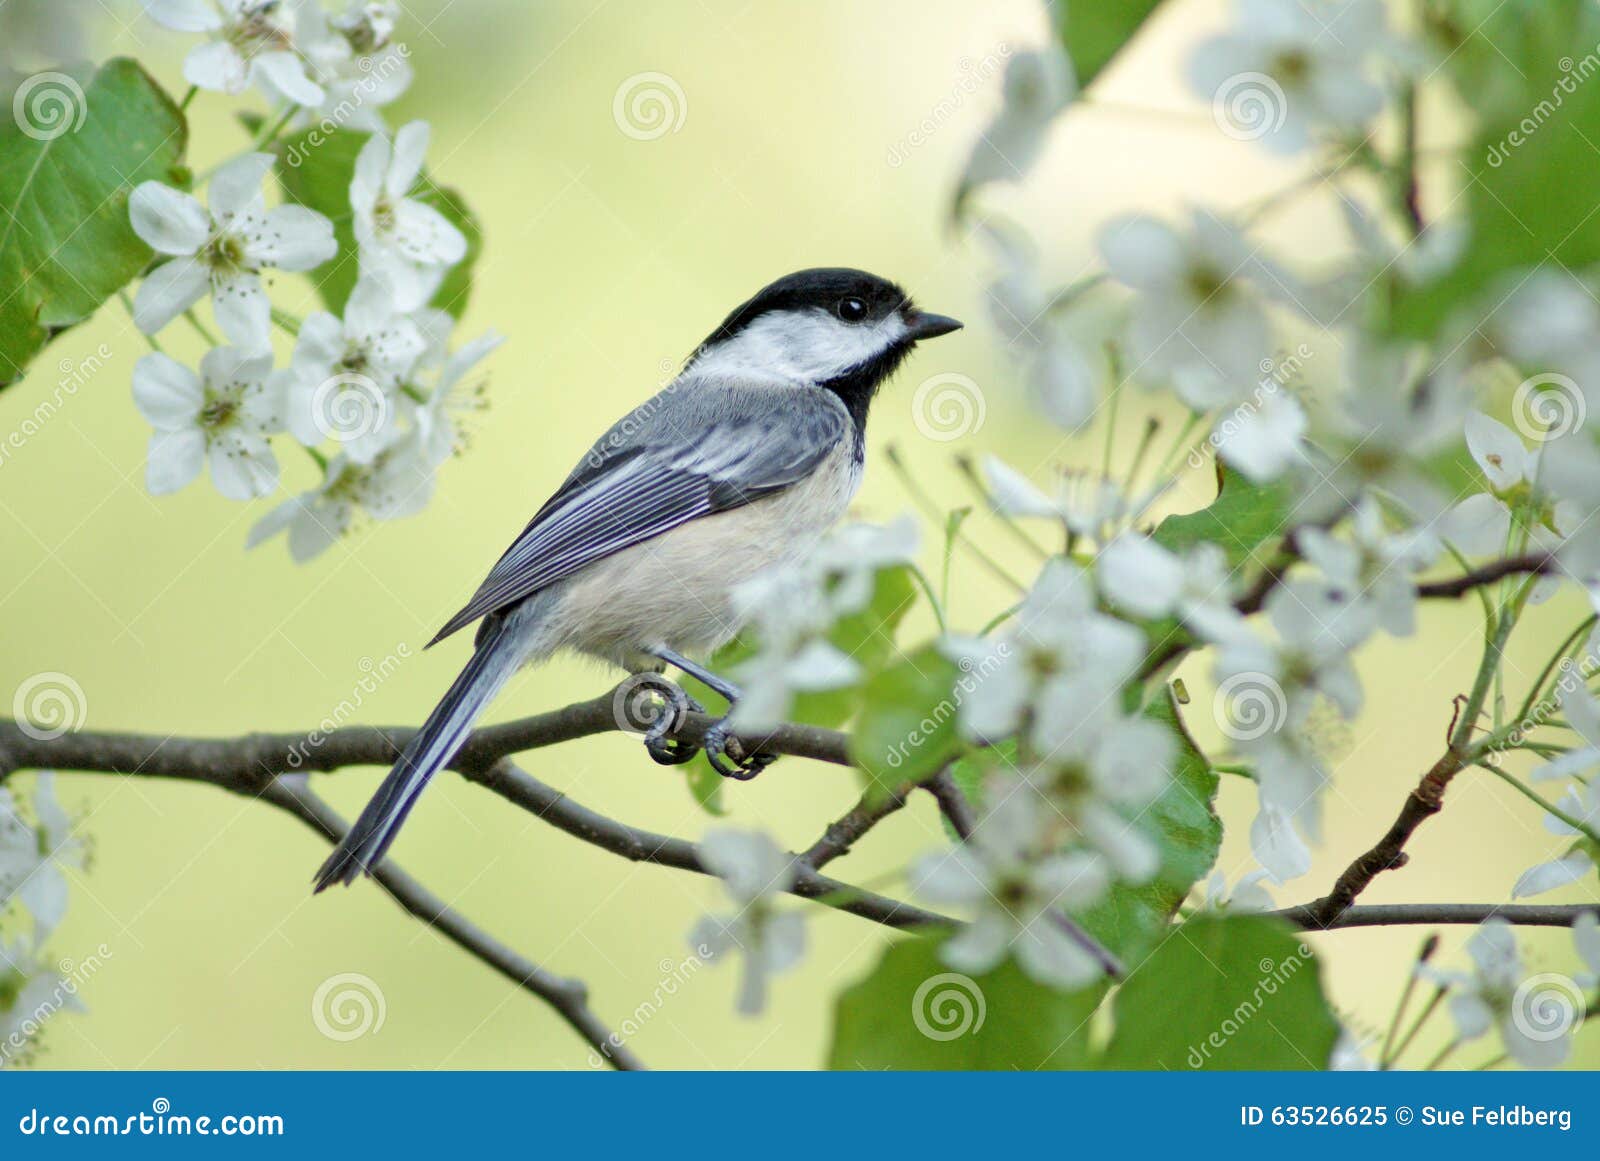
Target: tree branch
{"x": 569, "y": 997}
{"x": 1533, "y": 562}
{"x": 1397, "y": 914}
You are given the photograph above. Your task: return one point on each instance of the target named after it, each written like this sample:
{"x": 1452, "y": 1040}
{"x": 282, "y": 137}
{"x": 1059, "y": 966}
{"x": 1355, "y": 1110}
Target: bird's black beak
{"x": 922, "y": 324}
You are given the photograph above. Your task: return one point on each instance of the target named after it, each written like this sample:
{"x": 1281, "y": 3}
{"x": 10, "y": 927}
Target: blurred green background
{"x": 606, "y": 259}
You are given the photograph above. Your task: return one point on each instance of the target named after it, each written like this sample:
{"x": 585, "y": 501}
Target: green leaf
{"x": 315, "y": 169}
{"x": 1184, "y": 823}
{"x": 1242, "y": 518}
{"x": 1528, "y": 174}
{"x": 66, "y": 169}
{"x": 1094, "y": 31}
{"x": 913, "y": 1012}
{"x": 1224, "y": 992}
{"x": 906, "y": 728}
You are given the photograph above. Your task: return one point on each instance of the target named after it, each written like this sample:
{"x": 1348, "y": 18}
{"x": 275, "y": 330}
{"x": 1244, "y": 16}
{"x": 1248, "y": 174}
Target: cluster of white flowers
{"x": 34, "y": 858}
{"x": 379, "y": 381}
{"x": 792, "y": 607}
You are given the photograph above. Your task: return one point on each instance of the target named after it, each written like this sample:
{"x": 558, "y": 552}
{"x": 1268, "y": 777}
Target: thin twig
{"x": 1305, "y": 916}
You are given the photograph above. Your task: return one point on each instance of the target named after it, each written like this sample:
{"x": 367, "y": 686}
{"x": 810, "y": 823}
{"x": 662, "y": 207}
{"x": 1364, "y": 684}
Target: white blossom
{"x": 1061, "y": 651}
{"x": 1149, "y": 581}
{"x": 33, "y": 859}
{"x": 1371, "y": 571}
{"x": 1088, "y": 505}
{"x": 1038, "y": 84}
{"x": 1247, "y": 896}
{"x": 1196, "y": 319}
{"x": 447, "y": 394}
{"x": 223, "y": 251}
{"x": 1277, "y": 845}
{"x": 249, "y": 42}
{"x": 30, "y": 994}
{"x": 353, "y": 59}
{"x": 1307, "y": 65}
{"x": 755, "y": 873}
{"x": 222, "y": 416}
{"x": 402, "y": 240}
{"x": 343, "y": 381}
{"x": 398, "y": 482}
{"x": 1489, "y": 998}
{"x": 1017, "y": 888}
{"x": 1263, "y": 440}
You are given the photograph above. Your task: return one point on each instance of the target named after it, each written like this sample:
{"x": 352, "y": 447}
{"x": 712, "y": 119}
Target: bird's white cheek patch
{"x": 809, "y": 346}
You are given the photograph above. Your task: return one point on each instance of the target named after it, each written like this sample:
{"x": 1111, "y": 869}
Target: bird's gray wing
{"x": 673, "y": 460}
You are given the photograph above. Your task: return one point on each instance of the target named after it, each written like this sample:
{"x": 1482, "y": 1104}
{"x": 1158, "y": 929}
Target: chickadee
{"x": 743, "y": 461}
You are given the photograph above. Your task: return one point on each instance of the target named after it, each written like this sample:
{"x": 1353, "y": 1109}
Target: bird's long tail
{"x": 497, "y": 657}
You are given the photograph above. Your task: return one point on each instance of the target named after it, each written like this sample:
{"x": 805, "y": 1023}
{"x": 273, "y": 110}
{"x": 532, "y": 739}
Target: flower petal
{"x": 168, "y": 291}
{"x": 173, "y": 459}
{"x": 243, "y": 467}
{"x": 169, "y": 220}
{"x": 410, "y": 147}
{"x": 296, "y": 238}
{"x": 283, "y": 74}
{"x": 1497, "y": 449}
{"x": 243, "y": 310}
{"x": 184, "y": 15}
{"x": 167, "y": 393}
{"x": 422, "y": 234}
{"x": 237, "y": 186}
{"x": 216, "y": 67}
{"x": 1548, "y": 876}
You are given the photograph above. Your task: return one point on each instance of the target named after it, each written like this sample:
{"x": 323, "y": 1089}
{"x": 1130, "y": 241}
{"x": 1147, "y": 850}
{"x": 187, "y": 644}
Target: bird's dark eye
{"x": 852, "y": 309}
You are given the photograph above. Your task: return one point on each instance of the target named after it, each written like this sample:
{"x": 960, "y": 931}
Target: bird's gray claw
{"x": 675, "y": 708}
{"x": 720, "y": 746}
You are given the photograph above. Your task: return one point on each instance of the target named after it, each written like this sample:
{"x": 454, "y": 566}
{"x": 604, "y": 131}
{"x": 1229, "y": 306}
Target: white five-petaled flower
{"x": 1263, "y": 438}
{"x": 32, "y": 858}
{"x": 224, "y": 416}
{"x": 1481, "y": 524}
{"x": 353, "y": 59}
{"x": 1369, "y": 575}
{"x": 1490, "y": 996}
{"x": 1018, "y": 888}
{"x": 224, "y": 250}
{"x": 249, "y": 42}
{"x": 1196, "y": 320}
{"x": 1287, "y": 73}
{"x": 1038, "y": 85}
{"x": 405, "y": 241}
{"x": 343, "y": 381}
{"x": 447, "y": 394}
{"x": 1144, "y": 578}
{"x": 1061, "y": 653}
{"x": 755, "y": 873}
{"x": 397, "y": 482}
